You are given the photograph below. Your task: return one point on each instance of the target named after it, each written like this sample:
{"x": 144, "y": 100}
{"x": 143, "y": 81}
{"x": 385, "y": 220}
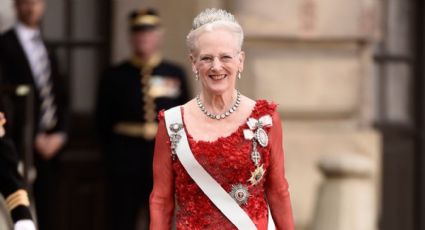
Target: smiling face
{"x": 217, "y": 60}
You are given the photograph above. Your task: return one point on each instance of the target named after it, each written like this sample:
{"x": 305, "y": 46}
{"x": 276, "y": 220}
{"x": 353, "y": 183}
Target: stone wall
{"x": 7, "y": 14}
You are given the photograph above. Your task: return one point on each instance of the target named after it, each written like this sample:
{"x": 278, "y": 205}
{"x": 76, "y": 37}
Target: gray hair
{"x": 211, "y": 19}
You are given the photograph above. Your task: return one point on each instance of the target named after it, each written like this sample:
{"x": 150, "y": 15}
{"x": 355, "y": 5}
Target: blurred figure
{"x": 25, "y": 60}
{"x": 11, "y": 185}
{"x": 130, "y": 96}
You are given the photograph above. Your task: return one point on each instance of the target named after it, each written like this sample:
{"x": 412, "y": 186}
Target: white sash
{"x": 212, "y": 189}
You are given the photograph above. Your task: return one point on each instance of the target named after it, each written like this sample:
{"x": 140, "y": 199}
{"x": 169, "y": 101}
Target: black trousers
{"x": 128, "y": 202}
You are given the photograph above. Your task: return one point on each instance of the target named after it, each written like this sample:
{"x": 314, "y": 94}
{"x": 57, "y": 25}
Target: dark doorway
{"x": 79, "y": 33}
{"x": 400, "y": 114}
{"x": 419, "y": 95}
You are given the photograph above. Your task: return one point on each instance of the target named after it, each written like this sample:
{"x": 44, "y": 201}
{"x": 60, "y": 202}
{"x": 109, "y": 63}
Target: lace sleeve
{"x": 277, "y": 186}
{"x": 162, "y": 196}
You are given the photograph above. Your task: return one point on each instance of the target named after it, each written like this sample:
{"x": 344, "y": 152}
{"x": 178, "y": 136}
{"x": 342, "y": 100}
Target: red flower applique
{"x": 228, "y": 161}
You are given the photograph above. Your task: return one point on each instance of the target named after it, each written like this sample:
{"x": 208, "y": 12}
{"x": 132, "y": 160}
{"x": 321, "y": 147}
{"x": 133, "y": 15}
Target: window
{"x": 78, "y": 32}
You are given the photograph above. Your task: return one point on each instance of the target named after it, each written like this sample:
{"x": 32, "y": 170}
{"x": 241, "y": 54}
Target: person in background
{"x": 24, "y": 59}
{"x": 130, "y": 95}
{"x": 11, "y": 183}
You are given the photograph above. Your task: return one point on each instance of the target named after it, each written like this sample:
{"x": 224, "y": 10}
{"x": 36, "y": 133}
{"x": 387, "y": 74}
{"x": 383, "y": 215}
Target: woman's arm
{"x": 162, "y": 196}
{"x": 276, "y": 185}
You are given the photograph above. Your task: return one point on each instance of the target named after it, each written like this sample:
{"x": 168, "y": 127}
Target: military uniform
{"x": 126, "y": 118}
{"x": 130, "y": 96}
{"x": 11, "y": 182}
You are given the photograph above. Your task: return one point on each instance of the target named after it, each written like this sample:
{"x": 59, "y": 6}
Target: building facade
{"x": 344, "y": 73}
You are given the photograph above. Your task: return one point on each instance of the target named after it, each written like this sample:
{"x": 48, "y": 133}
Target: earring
{"x": 196, "y": 75}
{"x": 239, "y": 75}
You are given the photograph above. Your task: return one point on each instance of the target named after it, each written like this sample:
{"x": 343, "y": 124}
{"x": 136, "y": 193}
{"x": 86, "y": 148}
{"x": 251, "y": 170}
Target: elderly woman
{"x": 220, "y": 154}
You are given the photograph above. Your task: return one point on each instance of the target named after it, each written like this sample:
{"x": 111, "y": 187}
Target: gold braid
{"x": 149, "y": 108}
{"x": 20, "y": 197}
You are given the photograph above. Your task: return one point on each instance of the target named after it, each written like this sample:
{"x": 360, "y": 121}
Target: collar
{"x": 150, "y": 63}
{"x": 26, "y": 33}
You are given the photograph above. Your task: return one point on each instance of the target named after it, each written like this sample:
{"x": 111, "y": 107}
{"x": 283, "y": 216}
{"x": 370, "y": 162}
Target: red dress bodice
{"x": 228, "y": 161}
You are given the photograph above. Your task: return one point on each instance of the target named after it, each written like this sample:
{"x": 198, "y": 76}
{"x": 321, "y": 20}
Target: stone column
{"x": 345, "y": 198}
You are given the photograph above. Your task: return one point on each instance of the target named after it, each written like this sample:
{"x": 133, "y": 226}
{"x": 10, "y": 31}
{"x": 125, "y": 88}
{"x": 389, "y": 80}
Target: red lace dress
{"x": 227, "y": 160}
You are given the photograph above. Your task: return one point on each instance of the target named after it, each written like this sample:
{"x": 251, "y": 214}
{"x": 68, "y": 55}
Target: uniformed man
{"x": 129, "y": 98}
{"x": 11, "y": 183}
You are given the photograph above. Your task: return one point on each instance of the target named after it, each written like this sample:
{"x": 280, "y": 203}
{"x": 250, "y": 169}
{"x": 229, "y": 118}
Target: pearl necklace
{"x": 223, "y": 115}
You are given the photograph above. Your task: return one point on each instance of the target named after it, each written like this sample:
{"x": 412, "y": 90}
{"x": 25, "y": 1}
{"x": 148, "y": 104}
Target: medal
{"x": 175, "y": 138}
{"x": 175, "y": 127}
{"x": 257, "y": 135}
{"x": 240, "y": 194}
{"x": 257, "y": 175}
{"x": 256, "y": 130}
{"x": 255, "y": 155}
{"x": 262, "y": 137}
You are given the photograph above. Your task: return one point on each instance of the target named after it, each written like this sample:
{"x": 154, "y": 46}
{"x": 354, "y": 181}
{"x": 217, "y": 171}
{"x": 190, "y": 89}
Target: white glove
{"x": 24, "y": 225}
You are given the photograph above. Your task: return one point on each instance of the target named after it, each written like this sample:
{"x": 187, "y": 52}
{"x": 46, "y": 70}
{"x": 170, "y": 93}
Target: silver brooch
{"x": 255, "y": 155}
{"x": 176, "y": 127}
{"x": 175, "y": 137}
{"x": 256, "y": 131}
{"x": 262, "y": 137}
{"x": 240, "y": 194}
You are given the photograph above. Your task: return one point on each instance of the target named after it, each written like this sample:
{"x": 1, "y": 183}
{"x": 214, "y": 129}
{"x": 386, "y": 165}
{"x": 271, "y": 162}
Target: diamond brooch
{"x": 240, "y": 194}
{"x": 175, "y": 137}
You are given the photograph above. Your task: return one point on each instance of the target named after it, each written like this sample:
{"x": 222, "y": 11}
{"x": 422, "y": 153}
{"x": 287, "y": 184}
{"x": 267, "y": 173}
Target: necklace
{"x": 223, "y": 115}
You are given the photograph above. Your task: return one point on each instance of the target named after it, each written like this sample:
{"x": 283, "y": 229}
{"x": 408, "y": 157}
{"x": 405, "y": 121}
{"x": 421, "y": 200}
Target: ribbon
{"x": 254, "y": 124}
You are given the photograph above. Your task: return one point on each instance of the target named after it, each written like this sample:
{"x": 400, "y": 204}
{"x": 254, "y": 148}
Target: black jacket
{"x": 120, "y": 100}
{"x": 16, "y": 69}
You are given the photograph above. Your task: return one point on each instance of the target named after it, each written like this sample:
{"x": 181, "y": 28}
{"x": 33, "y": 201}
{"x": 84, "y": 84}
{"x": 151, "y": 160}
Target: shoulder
{"x": 8, "y": 33}
{"x": 7, "y": 37}
{"x": 161, "y": 113}
{"x": 248, "y": 101}
{"x": 171, "y": 67}
{"x": 117, "y": 70}
{"x": 190, "y": 107}
{"x": 265, "y": 107}
{"x": 121, "y": 67}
